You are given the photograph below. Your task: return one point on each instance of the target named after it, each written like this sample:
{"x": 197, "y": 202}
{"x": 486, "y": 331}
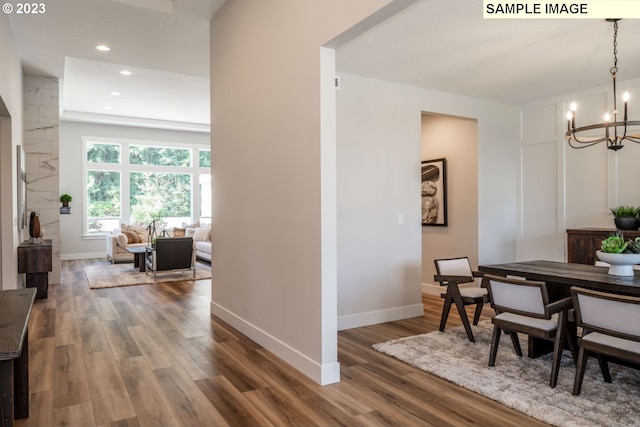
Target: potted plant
{"x": 65, "y": 199}
{"x": 626, "y": 217}
{"x": 621, "y": 255}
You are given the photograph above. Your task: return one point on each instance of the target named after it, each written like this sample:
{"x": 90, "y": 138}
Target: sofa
{"x": 135, "y": 235}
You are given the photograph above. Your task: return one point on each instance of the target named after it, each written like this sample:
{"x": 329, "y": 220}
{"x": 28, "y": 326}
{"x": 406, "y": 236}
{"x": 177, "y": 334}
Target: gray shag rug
{"x": 111, "y": 276}
{"x": 523, "y": 383}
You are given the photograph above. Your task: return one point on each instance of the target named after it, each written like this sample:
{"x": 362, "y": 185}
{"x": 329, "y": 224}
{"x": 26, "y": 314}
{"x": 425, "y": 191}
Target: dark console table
{"x": 582, "y": 243}
{"x": 35, "y": 259}
{"x": 15, "y": 306}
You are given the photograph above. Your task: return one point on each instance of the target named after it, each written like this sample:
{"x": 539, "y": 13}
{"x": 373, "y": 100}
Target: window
{"x": 159, "y": 156}
{"x": 204, "y": 157}
{"x": 103, "y": 200}
{"x": 160, "y": 195}
{"x": 138, "y": 182}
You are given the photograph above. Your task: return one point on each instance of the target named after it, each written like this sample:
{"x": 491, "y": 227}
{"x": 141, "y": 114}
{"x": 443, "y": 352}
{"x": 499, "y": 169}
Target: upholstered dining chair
{"x": 451, "y": 272}
{"x": 523, "y": 306}
{"x": 610, "y": 327}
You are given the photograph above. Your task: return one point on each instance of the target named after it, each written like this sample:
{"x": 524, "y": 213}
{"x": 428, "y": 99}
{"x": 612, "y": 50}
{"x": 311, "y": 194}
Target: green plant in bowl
{"x": 634, "y": 245}
{"x": 614, "y": 244}
{"x": 626, "y": 217}
{"x": 625, "y": 211}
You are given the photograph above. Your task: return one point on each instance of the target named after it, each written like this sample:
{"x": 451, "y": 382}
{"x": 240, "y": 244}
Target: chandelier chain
{"x": 614, "y": 69}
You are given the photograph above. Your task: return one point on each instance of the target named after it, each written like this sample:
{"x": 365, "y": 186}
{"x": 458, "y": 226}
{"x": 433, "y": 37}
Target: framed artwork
{"x": 434, "y": 192}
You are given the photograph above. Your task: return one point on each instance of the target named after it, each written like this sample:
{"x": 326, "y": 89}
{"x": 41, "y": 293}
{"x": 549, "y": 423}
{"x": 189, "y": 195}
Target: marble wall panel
{"x": 41, "y": 145}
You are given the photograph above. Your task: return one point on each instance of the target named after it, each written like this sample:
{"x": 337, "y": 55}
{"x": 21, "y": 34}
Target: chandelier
{"x": 615, "y": 131}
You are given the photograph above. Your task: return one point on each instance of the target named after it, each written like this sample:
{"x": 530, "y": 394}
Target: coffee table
{"x": 138, "y": 256}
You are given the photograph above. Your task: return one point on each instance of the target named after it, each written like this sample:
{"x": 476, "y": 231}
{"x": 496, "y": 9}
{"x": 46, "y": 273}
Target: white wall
{"x": 272, "y": 276}
{"x": 11, "y": 135}
{"x": 456, "y": 139}
{"x": 73, "y": 245}
{"x": 560, "y": 187}
{"x": 379, "y": 155}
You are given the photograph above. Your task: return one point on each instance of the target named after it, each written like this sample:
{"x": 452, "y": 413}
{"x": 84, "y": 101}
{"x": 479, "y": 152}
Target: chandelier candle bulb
{"x": 625, "y": 98}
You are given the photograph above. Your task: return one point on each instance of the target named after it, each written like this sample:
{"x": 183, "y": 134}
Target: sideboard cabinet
{"x": 582, "y": 243}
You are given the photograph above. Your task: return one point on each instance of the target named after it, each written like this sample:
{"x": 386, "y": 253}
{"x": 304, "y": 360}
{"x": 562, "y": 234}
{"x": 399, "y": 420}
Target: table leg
{"x": 21, "y": 380}
{"x": 40, "y": 281}
{"x": 6, "y": 392}
{"x": 141, "y": 263}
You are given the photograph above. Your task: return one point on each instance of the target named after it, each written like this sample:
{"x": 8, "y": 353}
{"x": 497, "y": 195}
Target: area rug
{"x": 110, "y": 276}
{"x": 522, "y": 383}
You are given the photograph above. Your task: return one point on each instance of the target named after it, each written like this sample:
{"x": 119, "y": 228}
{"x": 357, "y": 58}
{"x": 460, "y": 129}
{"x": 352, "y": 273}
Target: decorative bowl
{"x": 619, "y": 264}
{"x": 627, "y": 223}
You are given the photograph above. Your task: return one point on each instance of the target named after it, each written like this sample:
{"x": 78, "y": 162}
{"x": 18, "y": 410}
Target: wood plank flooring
{"x": 152, "y": 355}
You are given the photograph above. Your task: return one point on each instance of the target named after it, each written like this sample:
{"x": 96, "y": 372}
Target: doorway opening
{"x": 454, "y": 139}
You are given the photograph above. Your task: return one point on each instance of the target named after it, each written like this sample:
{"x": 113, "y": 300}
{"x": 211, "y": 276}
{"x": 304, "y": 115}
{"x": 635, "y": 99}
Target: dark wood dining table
{"x": 560, "y": 277}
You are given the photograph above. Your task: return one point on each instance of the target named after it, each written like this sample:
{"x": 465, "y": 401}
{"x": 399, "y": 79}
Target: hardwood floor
{"x": 152, "y": 355}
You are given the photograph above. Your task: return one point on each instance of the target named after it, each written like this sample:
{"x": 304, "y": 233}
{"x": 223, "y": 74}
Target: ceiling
{"x": 446, "y": 45}
{"x": 163, "y": 43}
{"x": 443, "y": 45}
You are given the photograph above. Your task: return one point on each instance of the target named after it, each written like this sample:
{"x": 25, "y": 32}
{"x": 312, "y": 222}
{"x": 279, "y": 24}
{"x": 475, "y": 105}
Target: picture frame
{"x": 434, "y": 192}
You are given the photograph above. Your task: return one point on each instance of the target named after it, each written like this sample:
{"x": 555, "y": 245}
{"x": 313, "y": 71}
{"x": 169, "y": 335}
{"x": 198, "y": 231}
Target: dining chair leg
{"x": 495, "y": 340}
{"x": 476, "y": 315}
{"x": 516, "y": 343}
{"x": 557, "y": 349}
{"x": 463, "y": 314}
{"x": 448, "y": 299}
{"x": 580, "y": 368}
{"x": 604, "y": 368}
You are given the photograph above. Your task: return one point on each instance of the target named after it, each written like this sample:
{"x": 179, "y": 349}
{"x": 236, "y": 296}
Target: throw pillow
{"x": 201, "y": 234}
{"x": 194, "y": 225}
{"x": 140, "y": 231}
{"x": 131, "y": 237}
{"x": 178, "y": 232}
{"x": 122, "y": 240}
{"x": 189, "y": 232}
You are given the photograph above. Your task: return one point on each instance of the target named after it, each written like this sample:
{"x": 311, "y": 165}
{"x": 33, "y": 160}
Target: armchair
{"x": 451, "y": 273}
{"x": 609, "y": 329}
{"x": 171, "y": 254}
{"x": 523, "y": 306}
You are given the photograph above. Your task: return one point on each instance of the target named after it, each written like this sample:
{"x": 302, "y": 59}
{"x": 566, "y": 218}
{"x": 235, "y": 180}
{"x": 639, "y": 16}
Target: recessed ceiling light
{"x": 115, "y": 93}
{"x": 126, "y": 72}
{"x": 108, "y": 107}
{"x": 103, "y": 48}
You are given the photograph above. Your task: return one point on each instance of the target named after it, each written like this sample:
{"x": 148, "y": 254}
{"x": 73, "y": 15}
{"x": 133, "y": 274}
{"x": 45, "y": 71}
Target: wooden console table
{"x": 15, "y": 306}
{"x": 582, "y": 243}
{"x": 35, "y": 259}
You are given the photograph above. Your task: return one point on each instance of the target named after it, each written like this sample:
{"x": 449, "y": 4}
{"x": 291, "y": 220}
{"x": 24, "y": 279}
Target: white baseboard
{"x": 379, "y": 316}
{"x": 322, "y": 374}
{"x": 67, "y": 257}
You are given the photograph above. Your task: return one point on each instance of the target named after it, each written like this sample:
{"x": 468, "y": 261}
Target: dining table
{"x": 560, "y": 277}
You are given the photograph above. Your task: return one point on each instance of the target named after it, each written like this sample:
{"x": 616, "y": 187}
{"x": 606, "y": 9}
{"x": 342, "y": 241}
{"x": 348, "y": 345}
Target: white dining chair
{"x": 610, "y": 328}
{"x": 451, "y": 272}
{"x": 523, "y": 306}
